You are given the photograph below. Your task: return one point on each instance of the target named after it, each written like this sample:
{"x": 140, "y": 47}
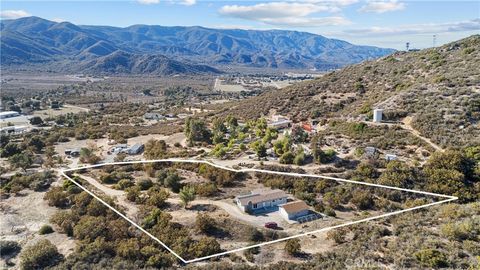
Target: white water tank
{"x": 377, "y": 115}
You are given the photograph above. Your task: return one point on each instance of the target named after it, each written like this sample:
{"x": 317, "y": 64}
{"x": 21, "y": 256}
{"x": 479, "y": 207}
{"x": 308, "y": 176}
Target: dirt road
{"x": 407, "y": 121}
{"x": 131, "y": 209}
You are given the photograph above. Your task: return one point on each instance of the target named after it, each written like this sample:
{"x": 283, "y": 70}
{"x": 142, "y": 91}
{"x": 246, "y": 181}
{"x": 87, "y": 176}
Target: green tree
{"x": 36, "y": 143}
{"x": 172, "y": 181}
{"x": 21, "y": 160}
{"x": 287, "y": 158}
{"x": 260, "y": 149}
{"x": 299, "y": 135}
{"x": 196, "y": 131}
{"x": 36, "y": 121}
{"x": 299, "y": 158}
{"x": 187, "y": 195}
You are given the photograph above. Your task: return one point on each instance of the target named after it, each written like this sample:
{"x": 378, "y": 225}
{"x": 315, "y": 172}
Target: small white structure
{"x": 390, "y": 157}
{"x": 261, "y": 199}
{"x": 9, "y": 114}
{"x": 294, "y": 210}
{"x": 377, "y": 115}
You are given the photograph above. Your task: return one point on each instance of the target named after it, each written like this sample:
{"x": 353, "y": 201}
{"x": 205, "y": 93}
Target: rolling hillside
{"x": 438, "y": 88}
{"x": 35, "y": 40}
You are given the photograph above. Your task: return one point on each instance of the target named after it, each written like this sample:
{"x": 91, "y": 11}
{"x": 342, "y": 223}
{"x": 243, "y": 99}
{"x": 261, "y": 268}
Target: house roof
{"x": 258, "y": 196}
{"x": 294, "y": 207}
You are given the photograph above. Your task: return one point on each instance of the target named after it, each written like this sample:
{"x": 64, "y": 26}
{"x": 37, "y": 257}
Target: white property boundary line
{"x": 63, "y": 173}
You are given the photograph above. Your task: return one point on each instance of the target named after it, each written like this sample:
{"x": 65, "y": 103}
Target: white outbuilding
{"x": 377, "y": 115}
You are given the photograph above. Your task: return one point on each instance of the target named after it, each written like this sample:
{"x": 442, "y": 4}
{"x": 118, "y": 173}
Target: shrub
{"x": 206, "y": 189}
{"x": 45, "y": 229}
{"x": 255, "y": 235}
{"x": 292, "y": 246}
{"x": 287, "y": 158}
{"x": 145, "y": 184}
{"x": 172, "y": 181}
{"x": 204, "y": 224}
{"x": 39, "y": 256}
{"x": 431, "y": 258}
{"x": 187, "y": 194}
{"x": 362, "y": 200}
{"x": 330, "y": 212}
{"x": 56, "y": 197}
{"x": 123, "y": 184}
{"x": 337, "y": 235}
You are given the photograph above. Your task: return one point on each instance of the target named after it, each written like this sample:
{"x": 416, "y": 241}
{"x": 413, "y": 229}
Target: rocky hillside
{"x": 32, "y": 40}
{"x": 438, "y": 88}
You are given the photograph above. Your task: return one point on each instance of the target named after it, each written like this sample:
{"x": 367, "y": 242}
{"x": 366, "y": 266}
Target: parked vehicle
{"x": 271, "y": 225}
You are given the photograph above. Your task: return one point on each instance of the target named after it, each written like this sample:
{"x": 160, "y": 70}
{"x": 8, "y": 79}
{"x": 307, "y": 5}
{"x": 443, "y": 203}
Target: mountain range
{"x": 153, "y": 49}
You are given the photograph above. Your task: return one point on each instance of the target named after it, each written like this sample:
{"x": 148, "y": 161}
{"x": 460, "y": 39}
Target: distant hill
{"x": 127, "y": 63}
{"x": 439, "y": 88}
{"x": 35, "y": 40}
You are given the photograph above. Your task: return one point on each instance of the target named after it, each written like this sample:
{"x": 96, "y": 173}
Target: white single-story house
{"x": 261, "y": 199}
{"x": 294, "y": 210}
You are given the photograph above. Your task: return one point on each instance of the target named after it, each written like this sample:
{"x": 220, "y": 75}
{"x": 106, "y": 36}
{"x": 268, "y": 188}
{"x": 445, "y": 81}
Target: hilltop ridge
{"x": 35, "y": 40}
{"x": 438, "y": 87}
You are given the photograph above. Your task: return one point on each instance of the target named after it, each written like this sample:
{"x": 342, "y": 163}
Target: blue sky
{"x": 385, "y": 23}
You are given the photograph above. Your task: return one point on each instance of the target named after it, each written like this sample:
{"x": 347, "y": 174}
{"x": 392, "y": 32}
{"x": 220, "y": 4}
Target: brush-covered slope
{"x": 439, "y": 88}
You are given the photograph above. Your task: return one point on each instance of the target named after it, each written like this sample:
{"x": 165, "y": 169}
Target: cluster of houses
{"x": 269, "y": 200}
{"x": 135, "y": 149}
